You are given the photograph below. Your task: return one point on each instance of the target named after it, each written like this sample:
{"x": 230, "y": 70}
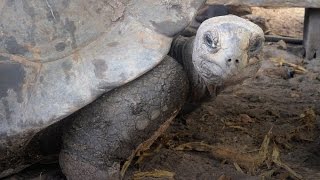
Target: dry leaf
{"x": 154, "y": 174}
{"x": 239, "y": 127}
{"x": 224, "y": 177}
{"x": 147, "y": 144}
{"x": 281, "y": 62}
{"x": 277, "y": 161}
{"x": 246, "y": 118}
{"x": 250, "y": 161}
{"x": 238, "y": 168}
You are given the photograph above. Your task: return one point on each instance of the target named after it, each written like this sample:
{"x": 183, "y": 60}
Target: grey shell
{"x": 56, "y": 56}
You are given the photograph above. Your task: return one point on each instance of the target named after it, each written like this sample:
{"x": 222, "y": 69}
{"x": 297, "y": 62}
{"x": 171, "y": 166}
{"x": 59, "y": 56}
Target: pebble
{"x": 282, "y": 45}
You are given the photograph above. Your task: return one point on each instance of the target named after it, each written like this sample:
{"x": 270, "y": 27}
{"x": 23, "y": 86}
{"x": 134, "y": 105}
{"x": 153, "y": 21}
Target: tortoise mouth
{"x": 212, "y": 72}
{"x": 244, "y": 73}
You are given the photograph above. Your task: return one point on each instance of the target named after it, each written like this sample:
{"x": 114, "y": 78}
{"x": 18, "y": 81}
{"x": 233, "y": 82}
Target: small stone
{"x": 282, "y": 45}
{"x": 295, "y": 95}
{"x": 254, "y": 99}
{"x": 246, "y": 118}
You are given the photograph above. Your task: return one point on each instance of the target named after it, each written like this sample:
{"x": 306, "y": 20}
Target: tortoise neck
{"x": 181, "y": 50}
{"x": 178, "y": 46}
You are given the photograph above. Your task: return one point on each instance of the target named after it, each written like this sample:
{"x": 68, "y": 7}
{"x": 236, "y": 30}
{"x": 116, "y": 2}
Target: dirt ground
{"x": 282, "y": 21}
{"x": 265, "y": 128}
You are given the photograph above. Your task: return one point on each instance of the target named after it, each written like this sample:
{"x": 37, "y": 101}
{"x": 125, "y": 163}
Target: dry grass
{"x": 154, "y": 174}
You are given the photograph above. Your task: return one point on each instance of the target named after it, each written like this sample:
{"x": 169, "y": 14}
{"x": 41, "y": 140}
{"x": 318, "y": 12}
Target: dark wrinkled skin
{"x": 105, "y": 133}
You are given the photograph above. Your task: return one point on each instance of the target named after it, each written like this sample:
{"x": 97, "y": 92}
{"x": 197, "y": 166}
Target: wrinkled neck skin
{"x": 181, "y": 50}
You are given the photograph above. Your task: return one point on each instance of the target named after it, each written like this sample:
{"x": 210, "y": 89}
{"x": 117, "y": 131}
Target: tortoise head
{"x": 227, "y": 50}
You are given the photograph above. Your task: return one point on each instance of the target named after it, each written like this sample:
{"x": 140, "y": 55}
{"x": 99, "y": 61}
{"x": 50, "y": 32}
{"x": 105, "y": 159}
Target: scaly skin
{"x": 107, "y": 131}
{"x": 182, "y": 51}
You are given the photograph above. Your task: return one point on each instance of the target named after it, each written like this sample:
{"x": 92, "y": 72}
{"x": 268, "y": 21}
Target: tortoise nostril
{"x": 237, "y": 61}
{"x": 229, "y": 60}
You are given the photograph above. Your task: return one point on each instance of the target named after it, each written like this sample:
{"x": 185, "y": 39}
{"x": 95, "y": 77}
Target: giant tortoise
{"x": 58, "y": 56}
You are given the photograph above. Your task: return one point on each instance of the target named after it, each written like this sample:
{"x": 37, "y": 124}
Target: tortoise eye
{"x": 255, "y": 45}
{"x": 208, "y": 40}
{"x": 211, "y": 42}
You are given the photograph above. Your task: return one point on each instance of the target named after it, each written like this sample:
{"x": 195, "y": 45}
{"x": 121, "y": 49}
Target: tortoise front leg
{"x": 107, "y": 132}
